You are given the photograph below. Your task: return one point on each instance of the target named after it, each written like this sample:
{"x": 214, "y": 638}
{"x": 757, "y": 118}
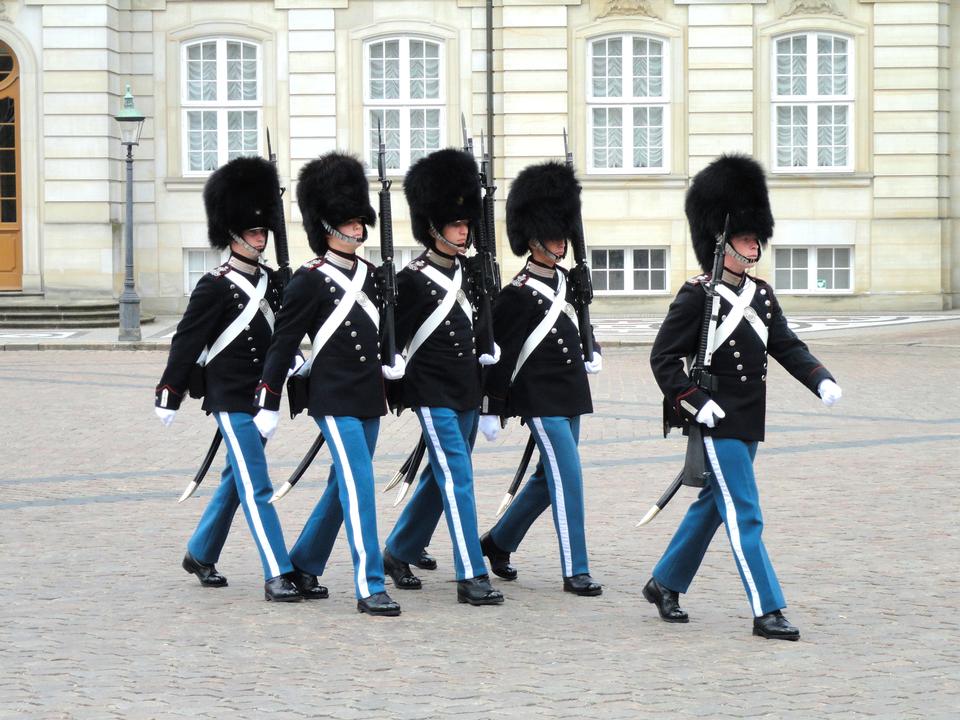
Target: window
{"x": 403, "y": 91}
{"x": 627, "y": 105}
{"x": 401, "y": 256}
{"x": 196, "y": 263}
{"x": 222, "y": 102}
{"x": 814, "y": 269}
{"x": 813, "y": 103}
{"x": 633, "y": 270}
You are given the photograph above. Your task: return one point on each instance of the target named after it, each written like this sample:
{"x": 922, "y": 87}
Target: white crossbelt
{"x": 557, "y": 302}
{"x": 454, "y": 294}
{"x": 739, "y": 309}
{"x": 352, "y": 294}
{"x": 255, "y": 302}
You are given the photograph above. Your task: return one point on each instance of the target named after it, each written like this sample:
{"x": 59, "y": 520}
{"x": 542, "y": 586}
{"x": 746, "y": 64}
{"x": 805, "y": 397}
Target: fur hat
{"x": 733, "y": 184}
{"x": 441, "y": 188}
{"x": 543, "y": 204}
{"x": 332, "y": 188}
{"x": 238, "y": 196}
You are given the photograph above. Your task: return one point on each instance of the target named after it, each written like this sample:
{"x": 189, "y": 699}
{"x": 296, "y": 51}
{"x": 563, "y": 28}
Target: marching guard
{"x": 435, "y": 321}
{"x": 751, "y": 325}
{"x": 334, "y": 299}
{"x": 542, "y": 373}
{"x": 228, "y": 323}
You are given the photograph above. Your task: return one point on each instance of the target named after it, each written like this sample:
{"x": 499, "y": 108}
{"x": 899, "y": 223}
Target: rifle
{"x": 387, "y": 273}
{"x": 695, "y": 472}
{"x": 280, "y": 233}
{"x": 580, "y": 283}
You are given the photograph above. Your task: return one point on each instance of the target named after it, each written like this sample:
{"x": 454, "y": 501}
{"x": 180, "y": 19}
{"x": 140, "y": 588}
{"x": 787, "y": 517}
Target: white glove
{"x": 298, "y": 362}
{"x": 594, "y": 365}
{"x": 166, "y": 416}
{"x": 489, "y": 426}
{"x": 488, "y": 359}
{"x": 710, "y": 414}
{"x": 266, "y": 422}
{"x": 829, "y": 392}
{"x": 395, "y": 371}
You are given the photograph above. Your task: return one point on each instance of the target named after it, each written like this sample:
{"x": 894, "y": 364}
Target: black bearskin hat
{"x": 733, "y": 184}
{"x": 238, "y": 196}
{"x": 543, "y": 204}
{"x": 332, "y": 188}
{"x": 442, "y": 187}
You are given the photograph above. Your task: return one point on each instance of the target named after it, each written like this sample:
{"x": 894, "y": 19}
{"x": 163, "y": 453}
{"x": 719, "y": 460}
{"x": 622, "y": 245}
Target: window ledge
{"x": 630, "y": 182}
{"x": 184, "y": 184}
{"x": 791, "y": 180}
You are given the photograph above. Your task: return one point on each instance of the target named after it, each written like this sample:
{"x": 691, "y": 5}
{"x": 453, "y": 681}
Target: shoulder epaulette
{"x": 520, "y": 280}
{"x": 314, "y": 264}
{"x": 220, "y": 270}
{"x": 416, "y": 265}
{"x": 699, "y": 279}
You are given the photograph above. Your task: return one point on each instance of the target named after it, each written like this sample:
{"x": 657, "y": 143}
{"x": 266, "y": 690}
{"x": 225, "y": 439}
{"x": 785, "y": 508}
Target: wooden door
{"x": 11, "y": 238}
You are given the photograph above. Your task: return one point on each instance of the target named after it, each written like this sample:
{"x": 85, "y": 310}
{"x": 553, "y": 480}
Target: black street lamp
{"x": 131, "y": 125}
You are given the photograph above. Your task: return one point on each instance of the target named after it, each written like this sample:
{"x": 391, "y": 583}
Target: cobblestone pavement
{"x": 99, "y": 621}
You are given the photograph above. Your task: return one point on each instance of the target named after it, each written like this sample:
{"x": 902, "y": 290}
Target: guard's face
{"x": 456, "y": 233}
{"x": 255, "y": 238}
{"x": 352, "y": 228}
{"x": 747, "y": 245}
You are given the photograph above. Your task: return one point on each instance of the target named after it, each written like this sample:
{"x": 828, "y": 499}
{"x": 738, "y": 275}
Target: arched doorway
{"x": 11, "y": 241}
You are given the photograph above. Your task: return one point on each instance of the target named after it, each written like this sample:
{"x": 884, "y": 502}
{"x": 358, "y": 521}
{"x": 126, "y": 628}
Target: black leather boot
{"x": 666, "y": 600}
{"x": 426, "y": 561}
{"x": 206, "y": 573}
{"x": 774, "y": 626}
{"x": 582, "y": 584}
{"x": 403, "y": 579}
{"x": 478, "y": 591}
{"x": 378, "y": 604}
{"x": 308, "y": 585}
{"x": 499, "y": 558}
{"x": 279, "y": 589}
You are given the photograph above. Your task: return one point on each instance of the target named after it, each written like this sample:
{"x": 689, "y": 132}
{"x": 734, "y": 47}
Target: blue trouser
{"x": 557, "y": 482}
{"x": 446, "y": 486}
{"x": 244, "y": 481}
{"x": 730, "y": 498}
{"x": 348, "y": 499}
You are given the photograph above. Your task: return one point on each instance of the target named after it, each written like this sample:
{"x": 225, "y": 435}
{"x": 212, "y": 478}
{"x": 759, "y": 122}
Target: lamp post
{"x": 131, "y": 125}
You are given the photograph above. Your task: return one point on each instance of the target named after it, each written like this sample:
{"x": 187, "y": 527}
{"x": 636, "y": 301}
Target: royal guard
{"x": 334, "y": 299}
{"x": 435, "y": 322}
{"x": 221, "y": 342}
{"x": 542, "y": 374}
{"x": 729, "y": 402}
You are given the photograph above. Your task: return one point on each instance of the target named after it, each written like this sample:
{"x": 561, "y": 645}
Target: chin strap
{"x": 438, "y": 236}
{"x": 344, "y": 238}
{"x": 553, "y": 256}
{"x": 248, "y": 246}
{"x": 728, "y": 249}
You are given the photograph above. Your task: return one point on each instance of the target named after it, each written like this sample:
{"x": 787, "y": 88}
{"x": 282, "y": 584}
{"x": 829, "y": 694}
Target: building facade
{"x": 853, "y": 106}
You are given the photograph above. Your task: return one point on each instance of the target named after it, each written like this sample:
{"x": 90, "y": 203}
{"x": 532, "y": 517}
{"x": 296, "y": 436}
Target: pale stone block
{"x": 313, "y": 105}
{"x": 545, "y": 81}
{"x": 821, "y": 202}
{"x": 141, "y": 20}
{"x": 141, "y": 42}
{"x": 728, "y": 37}
{"x": 546, "y": 146}
{"x": 907, "y": 79}
{"x": 906, "y": 100}
{"x": 311, "y": 147}
{"x": 76, "y": 212}
{"x": 718, "y": 58}
{"x": 906, "y": 57}
{"x": 515, "y": 125}
{"x": 77, "y": 169}
{"x": 90, "y": 15}
{"x": 78, "y": 125}
{"x": 89, "y": 81}
{"x": 141, "y": 63}
{"x": 832, "y": 232}
{"x": 534, "y": 17}
{"x": 76, "y": 103}
{"x": 888, "y": 122}
{"x": 899, "y": 207}
{"x": 91, "y": 37}
{"x": 312, "y": 84}
{"x": 906, "y": 187}
{"x": 525, "y": 38}
{"x": 906, "y": 13}
{"x": 312, "y": 62}
{"x": 532, "y": 60}
{"x": 720, "y": 101}
{"x": 78, "y": 60}
{"x": 77, "y": 235}
{"x": 478, "y": 61}
{"x": 907, "y": 35}
{"x": 906, "y": 164}
{"x": 310, "y": 20}
{"x": 535, "y": 102}
{"x": 311, "y": 40}
{"x": 713, "y": 145}
{"x": 76, "y": 191}
{"x": 309, "y": 127}
{"x": 714, "y": 80}
{"x": 721, "y": 14}
{"x": 908, "y": 143}
{"x": 719, "y": 123}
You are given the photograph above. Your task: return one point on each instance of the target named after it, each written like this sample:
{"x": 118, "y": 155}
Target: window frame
{"x": 629, "y": 104}
{"x": 404, "y": 104}
{"x": 629, "y": 269}
{"x": 812, "y": 267}
{"x": 221, "y": 254}
{"x": 221, "y": 107}
{"x": 812, "y": 102}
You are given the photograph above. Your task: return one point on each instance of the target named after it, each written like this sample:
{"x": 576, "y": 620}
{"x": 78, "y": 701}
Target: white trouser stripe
{"x": 733, "y": 527}
{"x": 448, "y": 490}
{"x": 562, "y": 526}
{"x": 333, "y": 436}
{"x": 259, "y": 533}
